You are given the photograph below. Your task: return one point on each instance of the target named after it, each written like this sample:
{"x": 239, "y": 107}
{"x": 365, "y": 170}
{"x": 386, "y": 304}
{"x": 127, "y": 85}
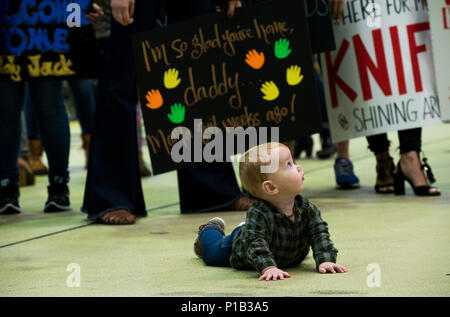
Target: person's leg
{"x": 33, "y": 134}
{"x": 328, "y": 148}
{"x": 343, "y": 168}
{"x": 207, "y": 187}
{"x": 26, "y": 174}
{"x": 47, "y": 97}
{"x": 379, "y": 145}
{"x": 216, "y": 247}
{"x": 410, "y": 165}
{"x": 113, "y": 192}
{"x": 12, "y": 97}
{"x": 84, "y": 100}
{"x": 143, "y": 169}
{"x": 213, "y": 186}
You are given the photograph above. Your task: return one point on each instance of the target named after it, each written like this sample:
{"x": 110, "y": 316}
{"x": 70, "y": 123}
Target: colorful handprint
{"x": 293, "y": 75}
{"x": 270, "y": 91}
{"x": 154, "y": 99}
{"x": 282, "y": 49}
{"x": 177, "y": 113}
{"x": 255, "y": 59}
{"x": 171, "y": 79}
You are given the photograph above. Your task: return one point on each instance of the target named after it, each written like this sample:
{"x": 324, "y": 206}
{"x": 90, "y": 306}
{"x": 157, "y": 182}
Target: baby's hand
{"x": 272, "y": 272}
{"x": 332, "y": 267}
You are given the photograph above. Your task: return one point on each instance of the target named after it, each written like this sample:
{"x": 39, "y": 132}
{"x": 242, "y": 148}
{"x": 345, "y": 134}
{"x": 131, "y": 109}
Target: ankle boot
{"x": 86, "y": 139}
{"x": 385, "y": 171}
{"x": 35, "y": 147}
{"x": 26, "y": 175}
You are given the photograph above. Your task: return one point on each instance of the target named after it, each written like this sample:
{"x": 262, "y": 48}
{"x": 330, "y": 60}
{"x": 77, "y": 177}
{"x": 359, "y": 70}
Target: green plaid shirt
{"x": 270, "y": 238}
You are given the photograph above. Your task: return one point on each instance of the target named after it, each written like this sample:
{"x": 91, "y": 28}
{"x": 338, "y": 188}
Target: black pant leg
{"x": 378, "y": 143}
{"x": 208, "y": 186}
{"x": 113, "y": 180}
{"x": 410, "y": 140}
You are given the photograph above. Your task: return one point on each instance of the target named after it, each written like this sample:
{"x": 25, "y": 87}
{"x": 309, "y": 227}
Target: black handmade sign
{"x": 41, "y": 39}
{"x": 253, "y": 70}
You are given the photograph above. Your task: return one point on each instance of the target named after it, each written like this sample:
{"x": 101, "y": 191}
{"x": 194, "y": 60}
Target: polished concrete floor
{"x": 392, "y": 246}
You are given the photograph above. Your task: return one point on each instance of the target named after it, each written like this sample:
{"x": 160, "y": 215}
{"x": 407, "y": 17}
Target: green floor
{"x": 407, "y": 237}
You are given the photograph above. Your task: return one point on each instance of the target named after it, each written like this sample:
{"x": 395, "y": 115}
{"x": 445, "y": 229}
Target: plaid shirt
{"x": 270, "y": 238}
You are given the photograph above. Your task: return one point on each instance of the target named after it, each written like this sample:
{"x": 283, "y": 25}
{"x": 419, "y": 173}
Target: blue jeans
{"x": 84, "y": 101}
{"x": 47, "y": 97}
{"x": 216, "y": 248}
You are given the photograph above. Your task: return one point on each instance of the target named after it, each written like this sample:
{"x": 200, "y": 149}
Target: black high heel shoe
{"x": 399, "y": 181}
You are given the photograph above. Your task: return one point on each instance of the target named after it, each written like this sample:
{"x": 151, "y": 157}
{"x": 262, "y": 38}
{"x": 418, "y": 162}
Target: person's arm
{"x": 95, "y": 15}
{"x": 319, "y": 237}
{"x": 336, "y": 8}
{"x": 123, "y": 11}
{"x": 231, "y": 7}
{"x": 255, "y": 241}
{"x": 272, "y": 272}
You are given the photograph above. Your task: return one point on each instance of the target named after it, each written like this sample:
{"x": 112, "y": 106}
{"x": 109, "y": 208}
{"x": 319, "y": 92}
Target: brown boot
{"x": 26, "y": 175}
{"x": 86, "y": 138}
{"x": 37, "y": 166}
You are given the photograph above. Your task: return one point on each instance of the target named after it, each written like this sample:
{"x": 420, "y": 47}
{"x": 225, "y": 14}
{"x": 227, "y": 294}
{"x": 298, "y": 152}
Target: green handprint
{"x": 270, "y": 91}
{"x": 282, "y": 49}
{"x": 177, "y": 113}
{"x": 171, "y": 79}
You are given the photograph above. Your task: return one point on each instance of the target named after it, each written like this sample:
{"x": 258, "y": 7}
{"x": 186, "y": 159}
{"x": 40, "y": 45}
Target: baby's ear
{"x": 269, "y": 188}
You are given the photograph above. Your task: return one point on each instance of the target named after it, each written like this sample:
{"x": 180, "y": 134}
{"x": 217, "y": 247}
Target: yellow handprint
{"x": 270, "y": 91}
{"x": 171, "y": 79}
{"x": 293, "y": 75}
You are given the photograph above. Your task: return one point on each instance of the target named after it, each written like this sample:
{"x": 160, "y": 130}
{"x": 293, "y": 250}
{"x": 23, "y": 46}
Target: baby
{"x": 281, "y": 225}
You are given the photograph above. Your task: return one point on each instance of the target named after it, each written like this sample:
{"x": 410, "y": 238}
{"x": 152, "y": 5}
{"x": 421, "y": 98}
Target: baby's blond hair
{"x": 250, "y": 167}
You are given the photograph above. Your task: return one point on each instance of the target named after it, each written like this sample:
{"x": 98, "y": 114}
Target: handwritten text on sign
{"x": 254, "y": 70}
{"x": 36, "y": 41}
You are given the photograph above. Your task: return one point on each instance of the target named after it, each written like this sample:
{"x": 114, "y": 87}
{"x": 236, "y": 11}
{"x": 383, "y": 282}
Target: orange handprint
{"x": 254, "y": 59}
{"x": 154, "y": 99}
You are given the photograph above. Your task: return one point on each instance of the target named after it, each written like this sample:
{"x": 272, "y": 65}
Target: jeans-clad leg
{"x": 216, "y": 248}
{"x": 47, "y": 97}
{"x": 84, "y": 100}
{"x": 12, "y": 96}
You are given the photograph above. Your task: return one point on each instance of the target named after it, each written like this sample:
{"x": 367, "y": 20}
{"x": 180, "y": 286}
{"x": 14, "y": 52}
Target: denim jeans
{"x": 216, "y": 248}
{"x": 47, "y": 97}
{"x": 84, "y": 101}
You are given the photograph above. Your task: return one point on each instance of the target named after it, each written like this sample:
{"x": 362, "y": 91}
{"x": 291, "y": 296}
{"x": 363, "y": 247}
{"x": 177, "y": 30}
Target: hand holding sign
{"x": 270, "y": 91}
{"x": 171, "y": 79}
{"x": 177, "y": 113}
{"x": 282, "y": 49}
{"x": 154, "y": 99}
{"x": 293, "y": 75}
{"x": 254, "y": 59}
